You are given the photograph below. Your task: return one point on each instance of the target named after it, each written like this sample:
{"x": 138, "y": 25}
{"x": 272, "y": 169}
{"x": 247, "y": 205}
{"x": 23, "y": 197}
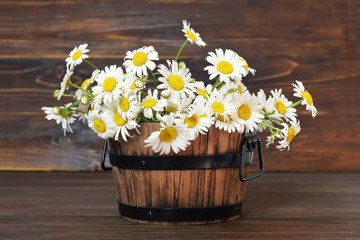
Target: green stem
{"x": 269, "y": 113}
{"x": 73, "y": 105}
{"x": 153, "y": 76}
{"x": 216, "y": 84}
{"x": 276, "y": 119}
{"x": 76, "y": 86}
{"x": 80, "y": 111}
{"x": 279, "y": 120}
{"x": 92, "y": 65}
{"x": 230, "y": 91}
{"x": 177, "y": 56}
{"x": 295, "y": 104}
{"x": 68, "y": 95}
{"x": 269, "y": 126}
{"x": 220, "y": 85}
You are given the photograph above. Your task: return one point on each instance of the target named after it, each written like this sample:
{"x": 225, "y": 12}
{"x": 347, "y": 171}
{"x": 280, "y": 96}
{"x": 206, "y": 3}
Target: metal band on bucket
{"x": 180, "y": 214}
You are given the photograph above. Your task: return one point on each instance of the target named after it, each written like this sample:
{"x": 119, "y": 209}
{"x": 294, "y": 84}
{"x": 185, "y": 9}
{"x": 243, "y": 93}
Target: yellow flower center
{"x": 109, "y": 84}
{"x": 99, "y": 125}
{"x": 168, "y": 134}
{"x": 149, "y": 103}
{"x": 124, "y": 104}
{"x": 280, "y": 106}
{"x": 240, "y": 89}
{"x": 191, "y": 121}
{"x": 76, "y": 55}
{"x": 176, "y": 82}
{"x": 218, "y": 107}
{"x": 225, "y": 67}
{"x": 244, "y": 112}
{"x": 84, "y": 83}
{"x": 172, "y": 109}
{"x": 203, "y": 115}
{"x": 133, "y": 87}
{"x": 140, "y": 58}
{"x": 291, "y": 134}
{"x": 245, "y": 64}
{"x": 202, "y": 92}
{"x": 307, "y": 97}
{"x": 119, "y": 120}
{"x": 191, "y": 35}
{"x": 222, "y": 118}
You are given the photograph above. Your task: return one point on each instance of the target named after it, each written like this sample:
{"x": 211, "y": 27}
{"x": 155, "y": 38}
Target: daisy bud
{"x": 56, "y": 93}
{"x": 84, "y": 99}
{"x": 182, "y": 65}
{"x": 165, "y": 94}
{"x": 139, "y": 83}
{"x": 56, "y": 110}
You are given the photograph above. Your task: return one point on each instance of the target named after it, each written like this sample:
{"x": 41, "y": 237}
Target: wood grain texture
{"x": 198, "y": 188}
{"x": 312, "y": 41}
{"x": 84, "y": 206}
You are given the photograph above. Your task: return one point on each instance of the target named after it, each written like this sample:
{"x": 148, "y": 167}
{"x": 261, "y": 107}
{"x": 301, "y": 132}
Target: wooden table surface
{"x": 63, "y": 205}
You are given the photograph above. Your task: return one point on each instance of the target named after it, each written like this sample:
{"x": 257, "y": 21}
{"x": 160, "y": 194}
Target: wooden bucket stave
{"x": 180, "y": 189}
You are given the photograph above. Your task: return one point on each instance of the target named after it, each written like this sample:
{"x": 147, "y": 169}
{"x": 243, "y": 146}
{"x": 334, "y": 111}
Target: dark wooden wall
{"x": 314, "y": 41}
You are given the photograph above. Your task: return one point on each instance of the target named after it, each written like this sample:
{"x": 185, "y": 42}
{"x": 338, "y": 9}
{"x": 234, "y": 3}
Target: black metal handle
{"x": 103, "y": 157}
{"x": 251, "y": 140}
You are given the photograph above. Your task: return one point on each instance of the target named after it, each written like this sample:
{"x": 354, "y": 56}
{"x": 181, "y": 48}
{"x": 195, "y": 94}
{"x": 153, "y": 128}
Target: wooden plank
{"x": 83, "y": 206}
{"x": 287, "y": 28}
{"x": 312, "y": 41}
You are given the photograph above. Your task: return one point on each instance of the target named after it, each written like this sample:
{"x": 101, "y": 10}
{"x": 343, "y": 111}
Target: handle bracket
{"x": 103, "y": 157}
{"x": 248, "y": 145}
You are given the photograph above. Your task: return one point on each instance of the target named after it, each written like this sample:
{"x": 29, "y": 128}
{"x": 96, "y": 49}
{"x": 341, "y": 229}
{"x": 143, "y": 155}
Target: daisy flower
{"x": 202, "y": 92}
{"x": 249, "y": 111}
{"x": 177, "y": 107}
{"x": 133, "y": 83}
{"x": 282, "y": 109}
{"x": 267, "y": 105}
{"x": 109, "y": 81}
{"x": 64, "y": 85}
{"x": 287, "y": 134}
{"x": 306, "y": 96}
{"x": 177, "y": 81}
{"x": 119, "y": 124}
{"x": 86, "y": 84}
{"x": 128, "y": 105}
{"x": 169, "y": 137}
{"x": 197, "y": 120}
{"x": 271, "y": 139}
{"x": 246, "y": 66}
{"x": 240, "y": 86}
{"x": 225, "y": 64}
{"x": 152, "y": 103}
{"x": 229, "y": 124}
{"x": 172, "y": 107}
{"x": 191, "y": 35}
{"x": 76, "y": 56}
{"x": 63, "y": 115}
{"x": 102, "y": 124}
{"x": 52, "y": 113}
{"x": 221, "y": 105}
{"x": 139, "y": 61}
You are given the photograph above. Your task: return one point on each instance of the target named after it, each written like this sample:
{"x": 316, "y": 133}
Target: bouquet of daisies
{"x": 115, "y": 100}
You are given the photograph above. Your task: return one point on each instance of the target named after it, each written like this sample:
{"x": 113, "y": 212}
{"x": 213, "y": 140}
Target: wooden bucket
{"x": 171, "y": 196}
